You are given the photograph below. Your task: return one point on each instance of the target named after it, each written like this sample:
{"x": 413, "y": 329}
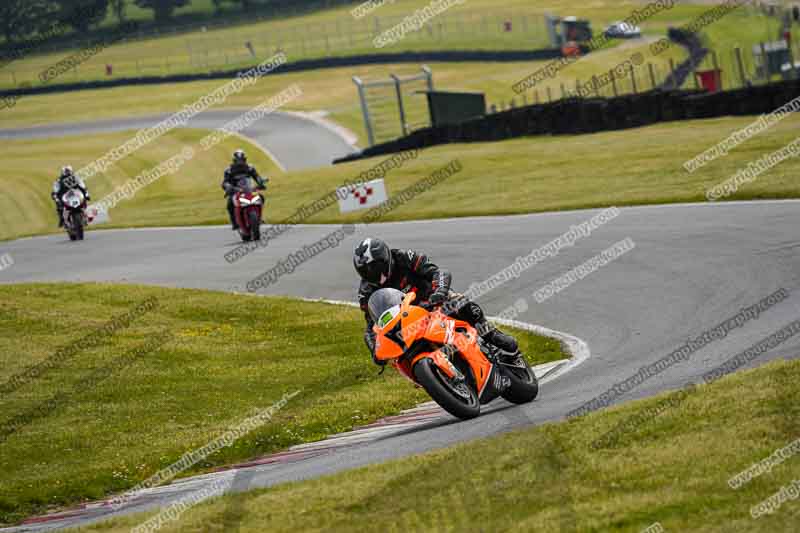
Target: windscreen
{"x": 245, "y": 183}
{"x": 381, "y": 303}
{"x": 73, "y": 198}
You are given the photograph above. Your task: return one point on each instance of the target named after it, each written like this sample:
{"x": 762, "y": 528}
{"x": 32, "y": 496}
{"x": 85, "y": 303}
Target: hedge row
{"x": 575, "y": 116}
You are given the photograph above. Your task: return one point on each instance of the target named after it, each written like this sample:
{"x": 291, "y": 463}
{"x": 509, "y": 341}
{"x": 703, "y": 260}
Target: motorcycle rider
{"x": 66, "y": 180}
{"x": 406, "y": 270}
{"x": 239, "y": 168}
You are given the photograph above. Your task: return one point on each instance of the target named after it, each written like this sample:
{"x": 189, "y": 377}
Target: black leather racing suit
{"x": 412, "y": 271}
{"x": 232, "y": 174}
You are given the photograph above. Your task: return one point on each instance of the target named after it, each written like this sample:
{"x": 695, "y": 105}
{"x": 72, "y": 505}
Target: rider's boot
{"x": 232, "y": 215}
{"x": 507, "y": 344}
{"x": 60, "y": 218}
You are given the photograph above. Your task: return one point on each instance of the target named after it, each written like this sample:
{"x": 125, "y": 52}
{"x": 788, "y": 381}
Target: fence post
{"x": 400, "y": 106}
{"x": 563, "y": 91}
{"x": 633, "y": 79}
{"x": 738, "y": 53}
{"x": 764, "y": 62}
{"x": 549, "y": 95}
{"x": 365, "y": 110}
{"x": 652, "y": 75}
{"x": 428, "y": 76}
{"x": 716, "y": 67}
{"x": 613, "y": 77}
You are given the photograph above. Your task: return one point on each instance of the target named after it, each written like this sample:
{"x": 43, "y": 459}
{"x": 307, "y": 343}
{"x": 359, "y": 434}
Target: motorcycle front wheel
{"x": 458, "y": 399}
{"x": 524, "y": 385}
{"x": 255, "y": 225}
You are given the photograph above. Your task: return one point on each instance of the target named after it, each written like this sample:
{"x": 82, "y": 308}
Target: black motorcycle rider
{"x": 405, "y": 270}
{"x": 236, "y": 171}
{"x": 66, "y": 181}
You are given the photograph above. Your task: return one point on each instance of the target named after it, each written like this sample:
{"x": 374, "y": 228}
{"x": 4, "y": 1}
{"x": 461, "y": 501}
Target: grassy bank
{"x": 90, "y": 424}
{"x": 672, "y": 470}
{"x": 333, "y": 89}
{"x": 193, "y": 195}
{"x": 631, "y": 167}
{"x": 477, "y": 24}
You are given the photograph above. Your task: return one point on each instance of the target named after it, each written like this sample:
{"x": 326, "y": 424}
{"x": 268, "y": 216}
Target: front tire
{"x": 436, "y": 385}
{"x": 79, "y": 231}
{"x": 524, "y": 385}
{"x": 70, "y": 227}
{"x": 255, "y": 225}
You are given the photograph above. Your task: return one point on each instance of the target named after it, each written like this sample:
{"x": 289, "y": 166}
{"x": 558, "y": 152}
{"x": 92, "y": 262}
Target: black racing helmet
{"x": 239, "y": 157}
{"x": 372, "y": 260}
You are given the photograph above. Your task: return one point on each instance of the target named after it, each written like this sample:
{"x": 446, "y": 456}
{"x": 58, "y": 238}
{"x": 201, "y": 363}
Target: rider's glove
{"x": 437, "y": 298}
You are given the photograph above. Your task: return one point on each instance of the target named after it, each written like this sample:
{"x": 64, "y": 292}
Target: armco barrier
{"x": 442, "y": 56}
{"x": 574, "y": 116}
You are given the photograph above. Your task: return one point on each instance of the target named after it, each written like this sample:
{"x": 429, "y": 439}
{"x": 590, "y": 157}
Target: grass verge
{"x": 89, "y": 425}
{"x": 672, "y": 470}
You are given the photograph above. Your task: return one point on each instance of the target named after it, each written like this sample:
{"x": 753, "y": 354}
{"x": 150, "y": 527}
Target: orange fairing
{"x": 407, "y": 321}
{"x": 402, "y": 325}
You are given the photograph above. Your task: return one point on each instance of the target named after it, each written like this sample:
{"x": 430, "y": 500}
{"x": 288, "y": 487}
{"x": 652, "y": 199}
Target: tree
{"x": 247, "y": 5}
{"x": 20, "y": 19}
{"x": 82, "y": 14}
{"x": 118, "y": 7}
{"x": 163, "y": 9}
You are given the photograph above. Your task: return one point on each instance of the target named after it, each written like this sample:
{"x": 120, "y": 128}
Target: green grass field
{"x": 477, "y": 24}
{"x": 672, "y": 470}
{"x": 537, "y": 174}
{"x": 227, "y": 356}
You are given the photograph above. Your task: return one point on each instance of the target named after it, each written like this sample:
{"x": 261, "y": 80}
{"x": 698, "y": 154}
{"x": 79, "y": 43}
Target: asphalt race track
{"x": 693, "y": 267}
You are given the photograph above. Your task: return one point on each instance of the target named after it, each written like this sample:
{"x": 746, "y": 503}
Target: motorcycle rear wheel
{"x": 443, "y": 392}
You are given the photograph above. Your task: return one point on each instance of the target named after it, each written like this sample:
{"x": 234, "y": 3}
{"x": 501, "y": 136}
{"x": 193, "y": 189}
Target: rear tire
{"x": 79, "y": 231}
{"x": 524, "y": 385}
{"x": 429, "y": 376}
{"x": 255, "y": 225}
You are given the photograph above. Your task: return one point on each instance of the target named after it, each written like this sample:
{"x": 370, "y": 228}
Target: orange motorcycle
{"x": 445, "y": 356}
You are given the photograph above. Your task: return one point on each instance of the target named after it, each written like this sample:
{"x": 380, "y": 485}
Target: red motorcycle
{"x": 248, "y": 203}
